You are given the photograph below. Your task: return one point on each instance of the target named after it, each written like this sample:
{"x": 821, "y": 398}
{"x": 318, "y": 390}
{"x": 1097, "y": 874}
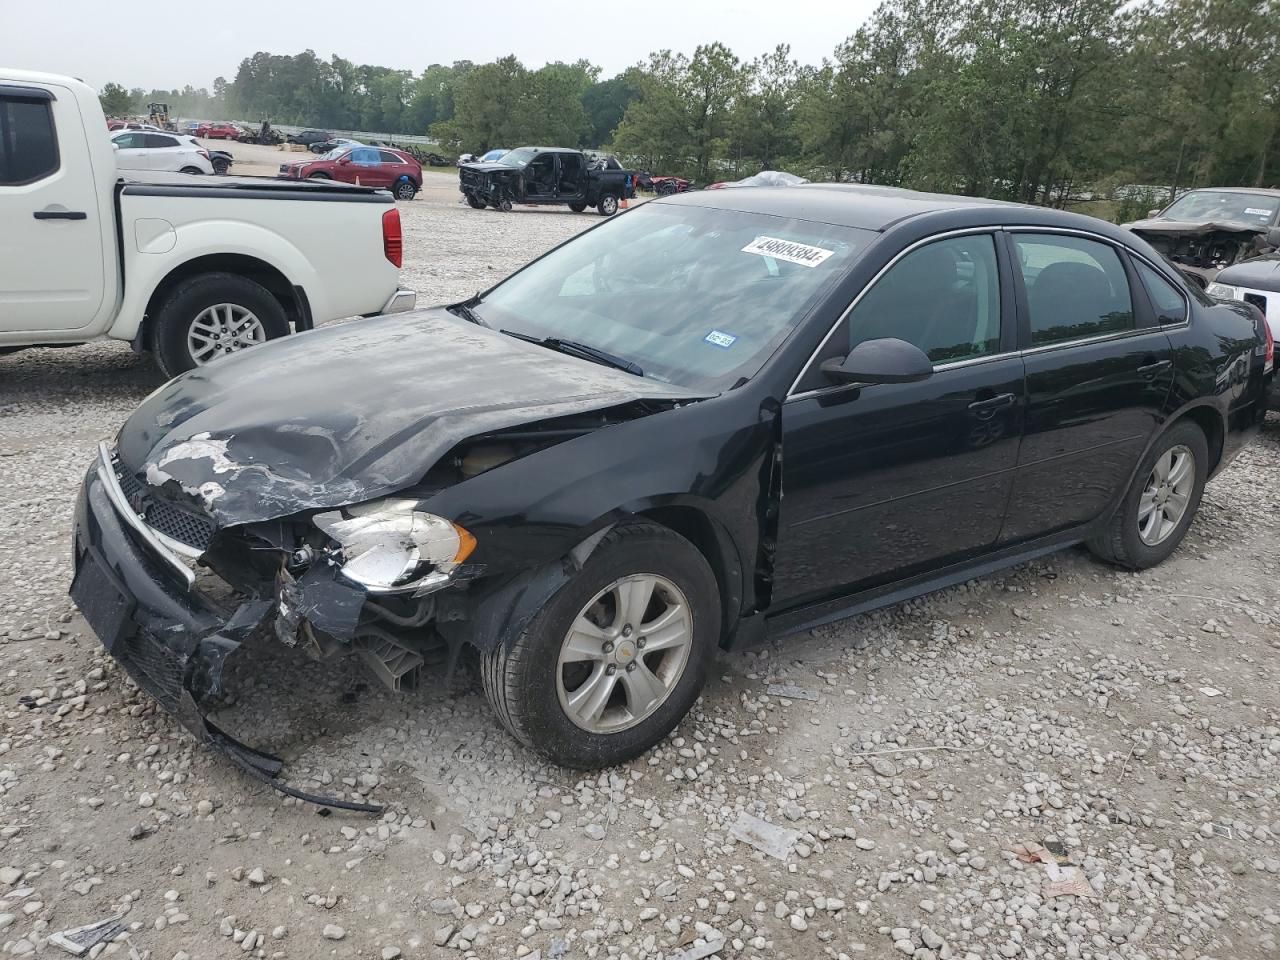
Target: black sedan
{"x": 722, "y": 416}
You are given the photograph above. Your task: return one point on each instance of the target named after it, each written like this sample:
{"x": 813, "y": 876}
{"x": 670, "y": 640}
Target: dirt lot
{"x": 1135, "y": 719}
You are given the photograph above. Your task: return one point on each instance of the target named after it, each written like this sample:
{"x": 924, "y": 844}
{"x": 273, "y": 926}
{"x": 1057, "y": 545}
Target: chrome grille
{"x": 161, "y": 515}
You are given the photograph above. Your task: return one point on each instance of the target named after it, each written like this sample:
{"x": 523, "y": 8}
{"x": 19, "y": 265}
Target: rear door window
{"x": 389, "y": 157}
{"x": 28, "y": 144}
{"x": 1170, "y": 305}
{"x": 1076, "y": 288}
{"x": 158, "y": 140}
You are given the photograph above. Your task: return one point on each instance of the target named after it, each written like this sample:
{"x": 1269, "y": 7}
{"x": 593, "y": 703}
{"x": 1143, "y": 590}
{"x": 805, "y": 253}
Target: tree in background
{"x": 1042, "y": 101}
{"x": 116, "y": 101}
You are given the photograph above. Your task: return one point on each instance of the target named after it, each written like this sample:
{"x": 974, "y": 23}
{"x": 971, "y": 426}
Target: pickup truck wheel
{"x": 608, "y": 205}
{"x": 211, "y": 316}
{"x": 617, "y": 656}
{"x": 474, "y": 202}
{"x": 406, "y": 190}
{"x": 577, "y": 206}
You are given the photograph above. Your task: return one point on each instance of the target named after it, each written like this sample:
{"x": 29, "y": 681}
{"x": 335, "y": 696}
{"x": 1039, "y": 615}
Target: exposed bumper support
{"x": 167, "y": 635}
{"x": 401, "y": 301}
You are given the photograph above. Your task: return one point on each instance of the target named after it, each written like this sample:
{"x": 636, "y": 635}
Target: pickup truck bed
{"x": 187, "y": 267}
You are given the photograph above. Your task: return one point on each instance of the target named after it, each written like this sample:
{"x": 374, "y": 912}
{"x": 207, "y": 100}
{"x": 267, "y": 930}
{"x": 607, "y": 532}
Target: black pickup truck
{"x": 547, "y": 175}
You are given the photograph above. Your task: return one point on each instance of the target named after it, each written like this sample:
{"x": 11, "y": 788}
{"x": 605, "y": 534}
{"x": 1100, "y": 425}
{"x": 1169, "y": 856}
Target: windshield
{"x": 1203, "y": 205}
{"x": 518, "y": 157}
{"x": 694, "y": 296}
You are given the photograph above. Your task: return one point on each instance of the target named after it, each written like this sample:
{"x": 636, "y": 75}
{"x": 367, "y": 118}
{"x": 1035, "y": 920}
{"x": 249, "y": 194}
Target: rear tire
{"x": 608, "y": 205}
{"x": 176, "y": 320}
{"x": 530, "y": 688}
{"x": 405, "y": 190}
{"x": 1142, "y": 533}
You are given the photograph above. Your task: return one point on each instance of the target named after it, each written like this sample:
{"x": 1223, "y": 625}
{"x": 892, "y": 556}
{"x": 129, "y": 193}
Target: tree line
{"x": 1042, "y": 101}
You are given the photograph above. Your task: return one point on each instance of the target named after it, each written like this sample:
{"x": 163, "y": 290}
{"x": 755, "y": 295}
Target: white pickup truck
{"x": 187, "y": 267}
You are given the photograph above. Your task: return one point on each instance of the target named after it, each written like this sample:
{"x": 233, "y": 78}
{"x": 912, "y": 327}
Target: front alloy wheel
{"x": 625, "y": 653}
{"x": 616, "y": 657}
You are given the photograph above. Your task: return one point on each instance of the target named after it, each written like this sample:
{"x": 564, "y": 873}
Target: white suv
{"x": 145, "y": 150}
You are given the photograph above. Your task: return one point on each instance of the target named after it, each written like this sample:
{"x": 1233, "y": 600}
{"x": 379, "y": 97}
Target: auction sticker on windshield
{"x": 788, "y": 250}
{"x": 719, "y": 338}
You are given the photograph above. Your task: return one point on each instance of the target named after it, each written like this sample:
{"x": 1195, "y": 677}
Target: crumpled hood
{"x": 352, "y": 411}
{"x": 1192, "y": 228}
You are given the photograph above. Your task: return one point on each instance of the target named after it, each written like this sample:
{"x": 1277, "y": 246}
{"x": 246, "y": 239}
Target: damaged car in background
{"x": 715, "y": 418}
{"x": 1205, "y": 231}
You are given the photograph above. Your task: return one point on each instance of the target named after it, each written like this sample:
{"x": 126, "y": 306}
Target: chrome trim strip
{"x": 1031, "y": 351}
{"x": 966, "y": 231}
{"x": 110, "y": 483}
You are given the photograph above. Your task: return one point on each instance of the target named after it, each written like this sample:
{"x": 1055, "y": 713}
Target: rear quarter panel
{"x": 332, "y": 249}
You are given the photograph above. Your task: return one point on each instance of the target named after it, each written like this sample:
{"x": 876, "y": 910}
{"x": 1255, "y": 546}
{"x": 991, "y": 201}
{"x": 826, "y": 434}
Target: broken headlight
{"x": 389, "y": 546}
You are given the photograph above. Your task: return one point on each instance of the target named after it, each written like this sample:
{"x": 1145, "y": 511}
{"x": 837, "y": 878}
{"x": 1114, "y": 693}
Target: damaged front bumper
{"x": 141, "y": 600}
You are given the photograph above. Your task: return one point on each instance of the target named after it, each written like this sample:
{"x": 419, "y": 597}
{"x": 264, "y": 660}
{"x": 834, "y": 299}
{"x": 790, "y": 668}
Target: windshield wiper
{"x": 464, "y": 310}
{"x": 583, "y": 350}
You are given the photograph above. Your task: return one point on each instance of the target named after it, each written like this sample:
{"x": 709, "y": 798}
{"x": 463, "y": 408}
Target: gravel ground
{"x": 1133, "y": 719}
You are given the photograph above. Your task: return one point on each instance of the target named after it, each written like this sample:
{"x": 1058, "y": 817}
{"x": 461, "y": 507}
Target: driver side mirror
{"x": 1152, "y": 214}
{"x": 889, "y": 360}
{"x": 344, "y": 160}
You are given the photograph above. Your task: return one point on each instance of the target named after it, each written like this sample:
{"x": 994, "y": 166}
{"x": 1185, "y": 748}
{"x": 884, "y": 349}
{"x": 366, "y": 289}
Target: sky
{"x": 165, "y": 45}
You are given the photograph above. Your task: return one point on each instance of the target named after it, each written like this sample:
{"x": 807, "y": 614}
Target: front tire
{"x": 474, "y": 202}
{"x": 616, "y": 658}
{"x": 1160, "y": 503}
{"x": 319, "y": 176}
{"x": 211, "y": 316}
{"x": 577, "y": 206}
{"x": 196, "y": 171}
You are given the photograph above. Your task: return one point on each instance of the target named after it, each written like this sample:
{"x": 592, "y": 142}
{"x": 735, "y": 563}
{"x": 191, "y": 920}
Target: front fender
{"x": 145, "y": 272}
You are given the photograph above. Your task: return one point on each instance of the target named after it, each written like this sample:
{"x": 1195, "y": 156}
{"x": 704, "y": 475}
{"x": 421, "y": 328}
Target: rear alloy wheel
{"x": 1161, "y": 501}
{"x": 213, "y": 316}
{"x": 608, "y": 205}
{"x": 405, "y": 190}
{"x": 617, "y": 656}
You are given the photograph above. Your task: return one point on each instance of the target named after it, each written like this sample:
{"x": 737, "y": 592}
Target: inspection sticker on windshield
{"x": 719, "y": 338}
{"x": 787, "y": 250}
{"x": 1257, "y": 212}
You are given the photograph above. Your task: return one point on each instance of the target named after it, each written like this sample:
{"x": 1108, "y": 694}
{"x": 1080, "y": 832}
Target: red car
{"x": 220, "y": 130}
{"x": 368, "y": 166}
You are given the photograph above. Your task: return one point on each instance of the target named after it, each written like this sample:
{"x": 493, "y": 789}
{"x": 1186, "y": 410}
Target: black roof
{"x": 867, "y": 207}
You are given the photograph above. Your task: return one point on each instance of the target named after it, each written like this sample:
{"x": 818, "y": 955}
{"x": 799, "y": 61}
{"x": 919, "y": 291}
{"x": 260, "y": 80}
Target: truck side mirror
{"x": 1152, "y": 214}
{"x": 888, "y": 360}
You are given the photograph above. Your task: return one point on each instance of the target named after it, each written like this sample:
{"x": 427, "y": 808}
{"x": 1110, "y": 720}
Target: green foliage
{"x": 116, "y": 101}
{"x": 1063, "y": 102}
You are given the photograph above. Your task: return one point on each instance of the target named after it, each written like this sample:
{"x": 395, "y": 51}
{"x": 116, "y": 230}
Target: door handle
{"x": 60, "y": 215}
{"x": 988, "y": 407}
{"x": 1149, "y": 371}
